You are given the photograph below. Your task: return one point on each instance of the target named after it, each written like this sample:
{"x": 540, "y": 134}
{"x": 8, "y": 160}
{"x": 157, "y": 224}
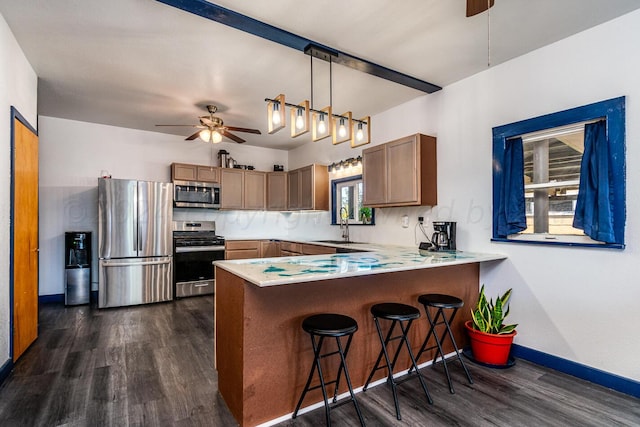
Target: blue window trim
{"x": 334, "y": 186}
{"x": 613, "y": 110}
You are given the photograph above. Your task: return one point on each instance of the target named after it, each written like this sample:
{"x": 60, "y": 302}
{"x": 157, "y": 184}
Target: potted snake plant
{"x": 490, "y": 337}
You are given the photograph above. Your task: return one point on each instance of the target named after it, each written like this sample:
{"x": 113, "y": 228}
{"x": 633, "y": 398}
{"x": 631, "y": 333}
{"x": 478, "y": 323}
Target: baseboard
{"x": 606, "y": 379}
{"x": 5, "y": 370}
{"x": 59, "y": 298}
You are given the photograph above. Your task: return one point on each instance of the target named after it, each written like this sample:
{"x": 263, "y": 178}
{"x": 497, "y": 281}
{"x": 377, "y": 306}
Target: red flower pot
{"x": 491, "y": 349}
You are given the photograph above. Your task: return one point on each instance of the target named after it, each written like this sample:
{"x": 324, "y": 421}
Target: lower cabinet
{"x": 270, "y": 248}
{"x": 242, "y": 249}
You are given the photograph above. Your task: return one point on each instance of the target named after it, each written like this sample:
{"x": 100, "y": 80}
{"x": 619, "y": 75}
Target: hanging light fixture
{"x": 300, "y": 119}
{"x": 323, "y": 122}
{"x": 208, "y": 135}
{"x": 275, "y": 117}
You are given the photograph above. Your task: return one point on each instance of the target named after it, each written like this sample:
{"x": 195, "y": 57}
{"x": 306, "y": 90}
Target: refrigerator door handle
{"x": 132, "y": 264}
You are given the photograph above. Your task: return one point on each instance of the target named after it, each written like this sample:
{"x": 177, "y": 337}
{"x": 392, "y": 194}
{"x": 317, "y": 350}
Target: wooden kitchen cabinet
{"x": 401, "y": 172}
{"x": 188, "y": 172}
{"x": 242, "y": 189}
{"x": 231, "y": 188}
{"x": 308, "y": 188}
{"x": 269, "y": 248}
{"x": 310, "y": 249}
{"x": 277, "y": 191}
{"x": 242, "y": 249}
{"x": 290, "y": 249}
{"x": 254, "y": 191}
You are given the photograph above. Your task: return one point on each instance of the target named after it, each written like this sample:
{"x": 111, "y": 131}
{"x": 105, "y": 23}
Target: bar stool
{"x": 442, "y": 302}
{"x": 319, "y": 327}
{"x": 404, "y": 315}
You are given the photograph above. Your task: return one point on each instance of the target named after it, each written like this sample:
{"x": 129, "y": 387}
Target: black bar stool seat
{"x": 402, "y": 315}
{"x": 319, "y": 327}
{"x": 442, "y": 302}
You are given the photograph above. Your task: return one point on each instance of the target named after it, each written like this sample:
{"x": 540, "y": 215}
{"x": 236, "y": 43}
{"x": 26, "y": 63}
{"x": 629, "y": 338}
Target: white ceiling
{"x": 138, "y": 63}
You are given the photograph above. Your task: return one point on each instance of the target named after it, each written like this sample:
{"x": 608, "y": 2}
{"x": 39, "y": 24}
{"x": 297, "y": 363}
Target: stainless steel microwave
{"x": 192, "y": 194}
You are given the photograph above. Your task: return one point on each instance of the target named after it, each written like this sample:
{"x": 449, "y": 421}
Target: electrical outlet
{"x": 420, "y": 219}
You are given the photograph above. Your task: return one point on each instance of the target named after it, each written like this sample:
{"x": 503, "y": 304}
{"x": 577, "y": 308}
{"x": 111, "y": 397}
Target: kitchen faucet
{"x": 344, "y": 223}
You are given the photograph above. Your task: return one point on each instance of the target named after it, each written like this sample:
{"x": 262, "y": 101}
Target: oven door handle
{"x": 199, "y": 249}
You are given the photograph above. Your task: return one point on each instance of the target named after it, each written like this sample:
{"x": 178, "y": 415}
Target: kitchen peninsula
{"x": 262, "y": 353}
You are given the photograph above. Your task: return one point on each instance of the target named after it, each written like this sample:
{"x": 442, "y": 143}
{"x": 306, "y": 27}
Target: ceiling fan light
{"x": 216, "y": 137}
{"x": 205, "y": 135}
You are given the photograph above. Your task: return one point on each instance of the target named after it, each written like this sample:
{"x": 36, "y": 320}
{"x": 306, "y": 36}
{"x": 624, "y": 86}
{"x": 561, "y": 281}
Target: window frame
{"x": 613, "y": 111}
{"x": 334, "y": 194}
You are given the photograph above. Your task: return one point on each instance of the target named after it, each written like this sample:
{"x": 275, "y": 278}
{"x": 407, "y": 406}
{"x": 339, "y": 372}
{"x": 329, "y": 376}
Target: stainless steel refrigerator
{"x": 134, "y": 242}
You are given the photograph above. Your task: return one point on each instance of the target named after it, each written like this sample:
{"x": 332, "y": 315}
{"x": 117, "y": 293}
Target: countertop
{"x": 265, "y": 272}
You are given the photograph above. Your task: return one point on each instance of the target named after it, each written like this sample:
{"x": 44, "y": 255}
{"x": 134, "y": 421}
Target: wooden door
{"x": 293, "y": 189}
{"x": 306, "y": 190}
{"x": 25, "y": 238}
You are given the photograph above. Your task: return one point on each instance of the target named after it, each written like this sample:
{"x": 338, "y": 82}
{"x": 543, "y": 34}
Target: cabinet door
{"x": 374, "y": 175}
{"x": 183, "y": 172}
{"x": 402, "y": 171}
{"x": 308, "y": 249}
{"x": 277, "y": 191}
{"x": 231, "y": 188}
{"x": 307, "y": 190}
{"x": 293, "y": 187}
{"x": 254, "y": 190}
{"x": 269, "y": 249}
{"x": 208, "y": 174}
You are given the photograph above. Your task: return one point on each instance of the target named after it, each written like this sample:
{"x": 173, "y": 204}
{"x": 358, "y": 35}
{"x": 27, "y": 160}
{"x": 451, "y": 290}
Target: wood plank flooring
{"x": 152, "y": 366}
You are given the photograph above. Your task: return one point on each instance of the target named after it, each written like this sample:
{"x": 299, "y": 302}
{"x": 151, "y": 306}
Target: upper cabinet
{"x": 188, "y": 172}
{"x": 242, "y": 189}
{"x": 308, "y": 188}
{"x": 277, "y": 191}
{"x": 401, "y": 172}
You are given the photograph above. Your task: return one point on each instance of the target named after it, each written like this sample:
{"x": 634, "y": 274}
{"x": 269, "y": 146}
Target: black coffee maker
{"x": 444, "y": 236}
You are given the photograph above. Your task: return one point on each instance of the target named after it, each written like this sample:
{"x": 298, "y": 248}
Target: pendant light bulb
{"x": 299, "y": 119}
{"x": 275, "y": 114}
{"x": 205, "y": 134}
{"x": 322, "y": 127}
{"x": 359, "y": 133}
{"x": 342, "y": 130}
{"x": 216, "y": 137}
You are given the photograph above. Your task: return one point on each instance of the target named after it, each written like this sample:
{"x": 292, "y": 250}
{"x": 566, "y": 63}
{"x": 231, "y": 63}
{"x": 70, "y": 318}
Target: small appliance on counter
{"x": 223, "y": 158}
{"x": 444, "y": 236}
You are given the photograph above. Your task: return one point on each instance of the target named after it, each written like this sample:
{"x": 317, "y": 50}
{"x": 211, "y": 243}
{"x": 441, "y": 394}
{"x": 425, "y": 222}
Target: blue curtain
{"x": 511, "y": 213}
{"x": 594, "y": 212}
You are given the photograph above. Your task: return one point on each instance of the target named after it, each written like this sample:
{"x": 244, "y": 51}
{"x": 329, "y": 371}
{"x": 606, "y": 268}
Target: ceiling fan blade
{"x": 231, "y": 136}
{"x": 236, "y": 129}
{"x": 206, "y": 120}
{"x": 192, "y": 137}
{"x": 475, "y": 7}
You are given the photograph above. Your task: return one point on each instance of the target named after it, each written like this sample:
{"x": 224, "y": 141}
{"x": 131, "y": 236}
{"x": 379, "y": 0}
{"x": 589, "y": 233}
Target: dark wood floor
{"x": 152, "y": 365}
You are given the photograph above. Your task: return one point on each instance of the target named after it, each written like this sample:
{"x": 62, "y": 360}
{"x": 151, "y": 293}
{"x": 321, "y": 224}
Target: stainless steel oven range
{"x": 195, "y": 247}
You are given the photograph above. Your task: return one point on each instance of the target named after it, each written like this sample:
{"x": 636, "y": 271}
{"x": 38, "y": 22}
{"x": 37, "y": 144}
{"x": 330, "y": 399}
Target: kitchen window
{"x": 560, "y": 178}
{"x": 348, "y": 193}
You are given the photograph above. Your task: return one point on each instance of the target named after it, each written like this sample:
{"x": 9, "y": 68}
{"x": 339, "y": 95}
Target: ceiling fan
{"x": 213, "y": 128}
{"x": 475, "y": 7}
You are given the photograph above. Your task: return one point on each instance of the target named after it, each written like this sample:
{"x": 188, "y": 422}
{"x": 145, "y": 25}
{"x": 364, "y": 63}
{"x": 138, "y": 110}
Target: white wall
{"x": 18, "y": 88}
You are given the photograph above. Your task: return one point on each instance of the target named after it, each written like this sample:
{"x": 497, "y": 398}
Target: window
{"x": 348, "y": 193}
{"x": 550, "y": 185}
